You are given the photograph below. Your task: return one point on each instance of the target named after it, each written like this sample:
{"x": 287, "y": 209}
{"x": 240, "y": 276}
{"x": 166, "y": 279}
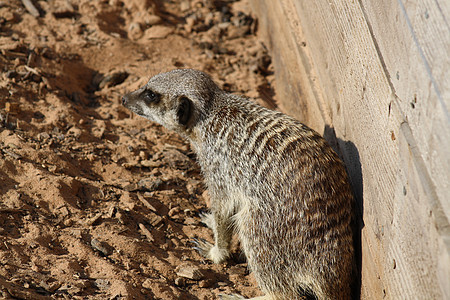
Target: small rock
{"x": 11, "y": 108}
{"x": 74, "y": 131}
{"x": 206, "y": 283}
{"x": 63, "y": 211}
{"x": 237, "y": 32}
{"x": 143, "y": 155}
{"x": 63, "y": 9}
{"x": 134, "y": 31}
{"x": 98, "y": 132}
{"x": 151, "y": 164}
{"x": 102, "y": 284}
{"x": 76, "y": 232}
{"x": 180, "y": 281}
{"x": 102, "y": 247}
{"x": 131, "y": 187}
{"x": 94, "y": 220}
{"x": 189, "y": 271}
{"x": 193, "y": 186}
{"x": 157, "y": 32}
{"x": 224, "y": 25}
{"x": 152, "y": 20}
{"x": 190, "y": 22}
{"x": 148, "y": 283}
{"x": 185, "y": 5}
{"x": 42, "y": 136}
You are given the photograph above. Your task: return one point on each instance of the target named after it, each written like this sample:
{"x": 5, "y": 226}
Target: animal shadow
{"x": 349, "y": 153}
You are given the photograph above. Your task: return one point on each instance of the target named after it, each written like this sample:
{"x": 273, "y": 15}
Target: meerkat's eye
{"x": 150, "y": 96}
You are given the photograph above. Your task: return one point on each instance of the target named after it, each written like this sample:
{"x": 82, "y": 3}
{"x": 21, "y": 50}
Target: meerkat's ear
{"x": 184, "y": 110}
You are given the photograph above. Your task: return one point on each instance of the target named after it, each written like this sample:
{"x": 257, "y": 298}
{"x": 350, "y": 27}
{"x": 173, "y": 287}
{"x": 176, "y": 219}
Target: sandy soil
{"x": 97, "y": 203}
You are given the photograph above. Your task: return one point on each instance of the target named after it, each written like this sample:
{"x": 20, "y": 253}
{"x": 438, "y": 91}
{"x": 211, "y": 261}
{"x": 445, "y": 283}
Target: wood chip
{"x": 146, "y": 232}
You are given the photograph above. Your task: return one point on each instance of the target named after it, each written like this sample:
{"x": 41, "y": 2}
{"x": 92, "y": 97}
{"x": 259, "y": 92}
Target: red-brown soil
{"x": 97, "y": 203}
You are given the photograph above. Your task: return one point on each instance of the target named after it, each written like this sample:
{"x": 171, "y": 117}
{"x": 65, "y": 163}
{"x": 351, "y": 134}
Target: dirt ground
{"x": 98, "y": 203}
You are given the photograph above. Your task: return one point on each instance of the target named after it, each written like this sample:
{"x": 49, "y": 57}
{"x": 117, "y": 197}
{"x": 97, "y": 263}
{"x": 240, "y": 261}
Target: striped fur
{"x": 272, "y": 181}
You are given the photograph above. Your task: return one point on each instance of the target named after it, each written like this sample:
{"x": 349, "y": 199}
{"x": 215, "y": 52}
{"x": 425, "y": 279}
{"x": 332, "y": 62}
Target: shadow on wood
{"x": 353, "y": 165}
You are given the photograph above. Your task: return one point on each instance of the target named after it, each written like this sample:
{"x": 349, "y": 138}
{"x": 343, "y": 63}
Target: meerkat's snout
{"x": 124, "y": 100}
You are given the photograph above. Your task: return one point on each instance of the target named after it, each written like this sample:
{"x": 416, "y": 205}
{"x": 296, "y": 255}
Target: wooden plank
{"x": 365, "y": 63}
{"x": 292, "y": 57}
{"x": 413, "y": 40}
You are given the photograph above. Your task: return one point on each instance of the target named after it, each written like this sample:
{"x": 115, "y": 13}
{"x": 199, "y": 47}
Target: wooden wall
{"x": 378, "y": 73}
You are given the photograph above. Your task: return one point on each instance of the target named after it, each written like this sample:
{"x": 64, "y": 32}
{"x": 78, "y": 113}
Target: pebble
{"x": 101, "y": 247}
{"x": 180, "y": 281}
{"x": 153, "y": 20}
{"x": 185, "y": 5}
{"x": 206, "y": 283}
{"x": 147, "y": 284}
{"x": 134, "y": 31}
{"x": 189, "y": 271}
{"x": 102, "y": 284}
{"x": 158, "y": 32}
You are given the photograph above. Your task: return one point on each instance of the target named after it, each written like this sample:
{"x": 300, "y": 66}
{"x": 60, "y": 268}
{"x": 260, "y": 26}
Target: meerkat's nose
{"x": 124, "y": 100}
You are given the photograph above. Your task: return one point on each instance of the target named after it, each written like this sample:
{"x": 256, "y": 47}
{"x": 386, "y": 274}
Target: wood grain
{"x": 377, "y": 72}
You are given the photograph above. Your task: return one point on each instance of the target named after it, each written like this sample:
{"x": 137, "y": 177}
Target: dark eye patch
{"x": 150, "y": 96}
{"x": 184, "y": 110}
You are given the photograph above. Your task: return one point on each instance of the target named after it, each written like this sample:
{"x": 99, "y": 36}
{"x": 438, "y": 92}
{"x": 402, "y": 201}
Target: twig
{"x": 32, "y": 70}
{"x": 145, "y": 202}
{"x": 12, "y": 154}
{"x": 31, "y": 8}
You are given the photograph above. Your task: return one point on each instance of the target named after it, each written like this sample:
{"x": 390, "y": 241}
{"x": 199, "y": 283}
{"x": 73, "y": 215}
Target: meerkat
{"x": 272, "y": 181}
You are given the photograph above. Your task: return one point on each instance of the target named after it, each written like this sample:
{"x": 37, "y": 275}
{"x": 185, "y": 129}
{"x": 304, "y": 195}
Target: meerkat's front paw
{"x": 210, "y": 251}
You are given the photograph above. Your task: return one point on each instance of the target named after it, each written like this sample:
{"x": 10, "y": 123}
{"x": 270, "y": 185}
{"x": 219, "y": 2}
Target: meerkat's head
{"x": 178, "y": 99}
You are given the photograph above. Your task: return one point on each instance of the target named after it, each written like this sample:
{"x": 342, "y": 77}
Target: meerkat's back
{"x": 294, "y": 202}
{"x": 273, "y": 181}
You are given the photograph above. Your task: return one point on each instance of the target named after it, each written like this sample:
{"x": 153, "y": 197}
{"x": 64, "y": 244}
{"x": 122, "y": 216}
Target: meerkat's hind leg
{"x": 208, "y": 220}
{"x": 210, "y": 251}
{"x": 221, "y": 227}
{"x": 202, "y": 246}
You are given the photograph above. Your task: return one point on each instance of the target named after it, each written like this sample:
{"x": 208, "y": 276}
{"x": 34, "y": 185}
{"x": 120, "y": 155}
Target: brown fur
{"x": 273, "y": 181}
